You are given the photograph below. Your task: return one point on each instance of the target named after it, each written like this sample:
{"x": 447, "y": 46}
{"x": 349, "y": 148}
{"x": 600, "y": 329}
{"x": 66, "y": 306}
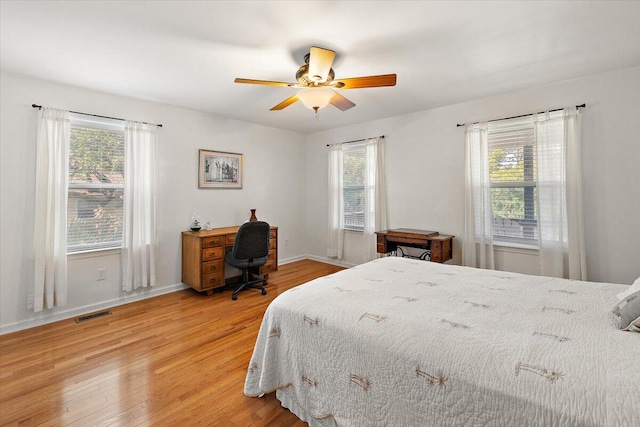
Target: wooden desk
{"x": 438, "y": 245}
{"x": 203, "y": 265}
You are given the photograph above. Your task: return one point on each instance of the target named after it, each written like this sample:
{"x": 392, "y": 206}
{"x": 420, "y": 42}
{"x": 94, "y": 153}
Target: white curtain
{"x": 477, "y": 249}
{"x": 50, "y": 227}
{"x": 335, "y": 239}
{"x": 559, "y": 188}
{"x": 375, "y": 200}
{"x": 139, "y": 210}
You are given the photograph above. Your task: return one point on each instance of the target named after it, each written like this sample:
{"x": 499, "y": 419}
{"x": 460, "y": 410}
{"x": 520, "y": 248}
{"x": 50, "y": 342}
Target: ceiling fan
{"x": 316, "y": 79}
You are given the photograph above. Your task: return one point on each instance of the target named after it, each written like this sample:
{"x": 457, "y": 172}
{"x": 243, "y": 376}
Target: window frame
{"x": 360, "y": 147}
{"x": 105, "y": 124}
{"x": 529, "y": 185}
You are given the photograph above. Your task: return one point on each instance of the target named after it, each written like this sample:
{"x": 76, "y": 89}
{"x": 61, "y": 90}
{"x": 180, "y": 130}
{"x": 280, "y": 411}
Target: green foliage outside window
{"x": 353, "y": 176}
{"x": 96, "y": 190}
{"x": 96, "y": 155}
{"x": 508, "y": 178}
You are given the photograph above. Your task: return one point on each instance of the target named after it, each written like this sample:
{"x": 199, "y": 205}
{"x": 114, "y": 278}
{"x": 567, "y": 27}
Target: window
{"x": 353, "y": 186}
{"x": 513, "y": 180}
{"x": 357, "y": 193}
{"x": 523, "y": 184}
{"x": 513, "y": 177}
{"x": 96, "y": 184}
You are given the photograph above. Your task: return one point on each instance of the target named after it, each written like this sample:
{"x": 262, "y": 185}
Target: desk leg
{"x": 215, "y": 291}
{"x": 436, "y": 251}
{"x": 381, "y": 245}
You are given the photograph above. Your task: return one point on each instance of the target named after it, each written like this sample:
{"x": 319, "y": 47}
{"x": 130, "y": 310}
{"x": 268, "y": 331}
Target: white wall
{"x": 274, "y": 184}
{"x": 286, "y": 180}
{"x": 425, "y": 156}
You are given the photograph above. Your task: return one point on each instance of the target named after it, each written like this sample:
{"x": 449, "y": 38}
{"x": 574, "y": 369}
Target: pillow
{"x": 634, "y": 326}
{"x": 628, "y": 310}
{"x": 633, "y": 288}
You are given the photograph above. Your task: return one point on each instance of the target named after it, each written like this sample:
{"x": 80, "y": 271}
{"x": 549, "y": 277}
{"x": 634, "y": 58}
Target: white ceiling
{"x": 187, "y": 53}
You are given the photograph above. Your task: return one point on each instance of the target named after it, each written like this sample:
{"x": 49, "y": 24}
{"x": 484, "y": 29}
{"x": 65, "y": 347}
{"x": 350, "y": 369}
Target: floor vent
{"x": 92, "y": 316}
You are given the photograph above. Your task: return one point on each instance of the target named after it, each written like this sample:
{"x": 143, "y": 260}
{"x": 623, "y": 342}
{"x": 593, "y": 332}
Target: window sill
{"x": 515, "y": 247}
{"x": 352, "y": 230}
{"x": 94, "y": 253}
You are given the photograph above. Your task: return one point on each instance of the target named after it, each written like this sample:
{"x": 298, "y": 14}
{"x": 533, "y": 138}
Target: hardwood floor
{"x": 177, "y": 359}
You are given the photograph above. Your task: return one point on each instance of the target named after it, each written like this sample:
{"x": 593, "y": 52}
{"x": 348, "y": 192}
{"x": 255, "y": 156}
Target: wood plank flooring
{"x": 175, "y": 360}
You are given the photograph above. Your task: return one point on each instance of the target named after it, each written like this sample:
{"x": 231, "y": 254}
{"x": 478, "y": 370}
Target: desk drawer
{"x": 270, "y": 267}
{"x": 212, "y": 267}
{"x": 271, "y": 256}
{"x": 274, "y": 234}
{"x": 214, "y": 280}
{"x": 210, "y": 242}
{"x": 229, "y": 239}
{"x": 273, "y": 243}
{"x": 212, "y": 253}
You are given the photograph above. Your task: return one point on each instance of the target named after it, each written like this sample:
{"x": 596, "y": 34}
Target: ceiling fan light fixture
{"x": 315, "y": 98}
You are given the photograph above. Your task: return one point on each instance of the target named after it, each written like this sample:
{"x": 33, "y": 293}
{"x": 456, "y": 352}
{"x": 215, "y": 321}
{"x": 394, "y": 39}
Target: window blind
{"x": 354, "y": 168}
{"x": 514, "y": 172}
{"x": 96, "y": 184}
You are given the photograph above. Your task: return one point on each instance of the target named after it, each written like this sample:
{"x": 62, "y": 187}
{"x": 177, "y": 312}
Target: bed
{"x": 402, "y": 342}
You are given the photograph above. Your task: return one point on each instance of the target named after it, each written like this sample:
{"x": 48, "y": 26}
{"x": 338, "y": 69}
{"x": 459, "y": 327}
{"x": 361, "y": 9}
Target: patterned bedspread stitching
{"x": 455, "y": 324}
{"x": 552, "y": 336}
{"x": 439, "y": 378}
{"x": 365, "y": 383}
{"x": 375, "y": 317}
{"x": 551, "y": 374}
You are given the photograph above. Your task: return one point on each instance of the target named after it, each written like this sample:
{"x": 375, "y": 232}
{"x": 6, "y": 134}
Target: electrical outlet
{"x": 286, "y": 242}
{"x": 102, "y": 274}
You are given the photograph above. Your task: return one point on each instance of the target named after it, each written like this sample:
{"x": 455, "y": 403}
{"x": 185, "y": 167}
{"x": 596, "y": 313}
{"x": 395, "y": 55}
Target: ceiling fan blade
{"x": 341, "y": 102}
{"x": 320, "y": 61}
{"x": 265, "y": 82}
{"x": 285, "y": 103}
{"x": 367, "y": 81}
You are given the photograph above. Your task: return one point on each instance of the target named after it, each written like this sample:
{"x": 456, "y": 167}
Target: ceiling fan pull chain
{"x": 317, "y": 110}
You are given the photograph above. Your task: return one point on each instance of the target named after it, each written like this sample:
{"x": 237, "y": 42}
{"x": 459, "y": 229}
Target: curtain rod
{"x": 39, "y": 107}
{"x": 522, "y": 115}
{"x": 355, "y": 140}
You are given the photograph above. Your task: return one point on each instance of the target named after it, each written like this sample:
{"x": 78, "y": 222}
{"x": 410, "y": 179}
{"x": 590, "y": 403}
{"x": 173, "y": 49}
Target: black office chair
{"x": 250, "y": 249}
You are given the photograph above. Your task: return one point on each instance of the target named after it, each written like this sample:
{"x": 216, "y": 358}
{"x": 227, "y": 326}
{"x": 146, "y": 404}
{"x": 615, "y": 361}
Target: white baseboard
{"x": 331, "y": 261}
{"x": 292, "y": 259}
{"x": 89, "y": 308}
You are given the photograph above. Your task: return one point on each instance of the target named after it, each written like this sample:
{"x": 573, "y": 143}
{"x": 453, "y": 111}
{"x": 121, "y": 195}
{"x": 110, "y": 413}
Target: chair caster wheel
{"x": 264, "y": 292}
{"x": 234, "y": 297}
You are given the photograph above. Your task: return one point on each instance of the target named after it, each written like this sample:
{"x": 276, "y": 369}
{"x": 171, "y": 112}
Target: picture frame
{"x": 219, "y": 169}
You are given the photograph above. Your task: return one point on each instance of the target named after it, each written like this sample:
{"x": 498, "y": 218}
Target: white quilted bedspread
{"x": 401, "y": 342}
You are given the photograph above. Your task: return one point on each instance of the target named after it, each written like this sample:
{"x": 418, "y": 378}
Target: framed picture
{"x": 218, "y": 169}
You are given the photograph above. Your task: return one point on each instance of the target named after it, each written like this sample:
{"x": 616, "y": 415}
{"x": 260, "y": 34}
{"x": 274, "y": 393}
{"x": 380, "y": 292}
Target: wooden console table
{"x": 203, "y": 254}
{"x": 436, "y": 246}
